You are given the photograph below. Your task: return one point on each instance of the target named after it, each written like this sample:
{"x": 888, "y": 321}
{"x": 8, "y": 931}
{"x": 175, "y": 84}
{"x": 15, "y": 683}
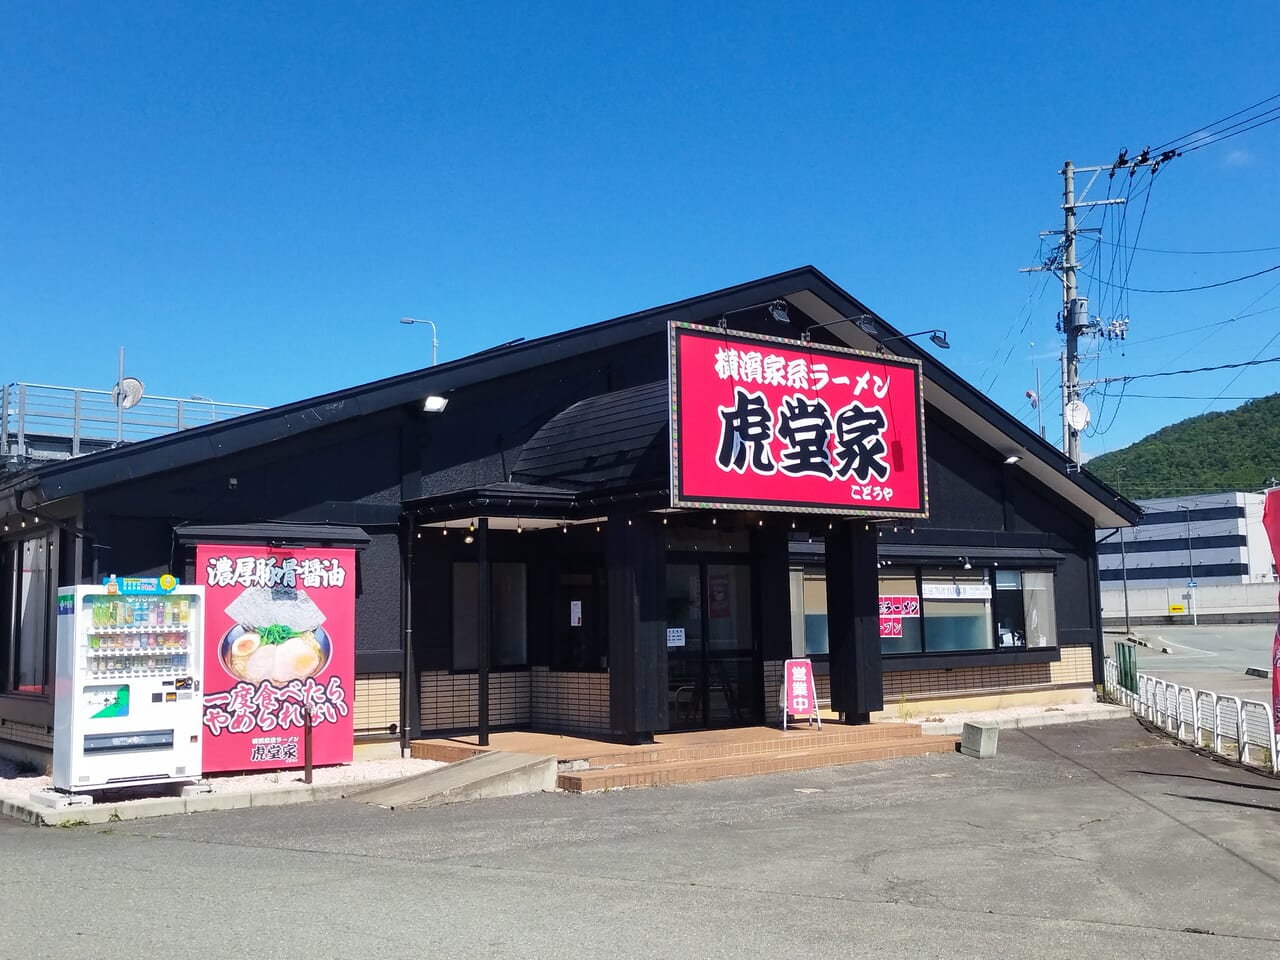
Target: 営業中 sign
{"x": 778, "y": 424}
{"x": 799, "y": 694}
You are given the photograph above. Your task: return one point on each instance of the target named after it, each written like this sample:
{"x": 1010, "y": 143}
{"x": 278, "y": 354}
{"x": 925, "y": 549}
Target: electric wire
{"x": 1198, "y": 253}
{"x": 1207, "y": 286}
{"x": 1204, "y": 128}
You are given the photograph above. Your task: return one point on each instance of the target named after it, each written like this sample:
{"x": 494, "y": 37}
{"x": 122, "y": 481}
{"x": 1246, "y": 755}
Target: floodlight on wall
{"x": 967, "y": 564}
{"x": 1011, "y": 459}
{"x": 434, "y": 404}
{"x": 777, "y": 310}
{"x": 863, "y": 320}
{"x": 937, "y": 335}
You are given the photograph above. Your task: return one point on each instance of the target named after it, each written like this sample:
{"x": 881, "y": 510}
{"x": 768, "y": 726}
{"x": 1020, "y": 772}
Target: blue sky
{"x": 247, "y": 196}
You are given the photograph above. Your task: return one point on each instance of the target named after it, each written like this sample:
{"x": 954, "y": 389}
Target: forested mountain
{"x": 1232, "y": 450}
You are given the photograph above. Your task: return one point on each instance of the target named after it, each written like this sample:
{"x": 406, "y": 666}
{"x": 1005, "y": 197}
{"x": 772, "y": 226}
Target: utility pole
{"x": 1075, "y": 309}
{"x": 1075, "y": 312}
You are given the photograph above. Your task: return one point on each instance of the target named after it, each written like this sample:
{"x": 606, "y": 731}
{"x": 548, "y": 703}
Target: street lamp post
{"x": 434, "y": 343}
{"x": 1191, "y": 566}
{"x": 212, "y": 414}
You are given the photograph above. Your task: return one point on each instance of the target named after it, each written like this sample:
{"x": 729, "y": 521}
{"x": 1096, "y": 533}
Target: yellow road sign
{"x": 1177, "y": 608}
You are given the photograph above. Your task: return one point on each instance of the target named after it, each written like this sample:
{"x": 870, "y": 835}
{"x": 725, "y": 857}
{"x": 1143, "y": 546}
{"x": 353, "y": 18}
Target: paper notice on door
{"x": 575, "y": 613}
{"x": 675, "y": 636}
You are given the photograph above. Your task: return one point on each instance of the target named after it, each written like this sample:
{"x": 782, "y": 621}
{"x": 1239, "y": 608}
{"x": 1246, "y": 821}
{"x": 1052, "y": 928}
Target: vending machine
{"x": 127, "y": 701}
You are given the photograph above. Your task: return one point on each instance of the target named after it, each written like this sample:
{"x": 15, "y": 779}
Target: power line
{"x": 1209, "y": 142}
{"x": 1175, "y": 373}
{"x": 1207, "y": 286}
{"x": 1177, "y": 396}
{"x": 1195, "y": 253}
{"x": 1207, "y": 127}
{"x": 1240, "y": 372}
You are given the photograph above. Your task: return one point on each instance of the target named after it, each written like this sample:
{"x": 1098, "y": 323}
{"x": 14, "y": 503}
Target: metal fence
{"x": 1231, "y": 727}
{"x": 43, "y": 422}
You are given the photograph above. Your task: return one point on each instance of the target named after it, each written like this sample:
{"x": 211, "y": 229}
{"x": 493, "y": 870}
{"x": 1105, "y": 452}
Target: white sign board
{"x": 675, "y": 636}
{"x": 575, "y": 613}
{"x": 955, "y": 591}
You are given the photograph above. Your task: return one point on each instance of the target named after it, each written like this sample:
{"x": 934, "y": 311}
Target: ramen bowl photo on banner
{"x": 279, "y": 650}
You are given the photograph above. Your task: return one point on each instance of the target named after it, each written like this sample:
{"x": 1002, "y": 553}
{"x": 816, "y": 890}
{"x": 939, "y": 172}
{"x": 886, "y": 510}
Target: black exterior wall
{"x": 355, "y": 460}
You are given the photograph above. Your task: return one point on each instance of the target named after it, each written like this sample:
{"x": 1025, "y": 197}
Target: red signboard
{"x": 799, "y": 692}
{"x": 279, "y": 643}
{"x": 779, "y": 424}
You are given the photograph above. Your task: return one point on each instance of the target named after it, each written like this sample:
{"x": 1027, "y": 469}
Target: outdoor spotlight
{"x": 967, "y": 564}
{"x": 867, "y": 325}
{"x": 468, "y": 539}
{"x": 1011, "y": 459}
{"x": 434, "y": 404}
{"x": 778, "y": 310}
{"x": 939, "y": 338}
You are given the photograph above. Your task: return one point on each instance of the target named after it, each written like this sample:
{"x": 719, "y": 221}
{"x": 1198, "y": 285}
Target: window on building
{"x": 507, "y": 610}
{"x": 957, "y": 610}
{"x": 809, "y": 613}
{"x": 1011, "y": 620}
{"x": 1038, "y": 608}
{"x": 26, "y": 629}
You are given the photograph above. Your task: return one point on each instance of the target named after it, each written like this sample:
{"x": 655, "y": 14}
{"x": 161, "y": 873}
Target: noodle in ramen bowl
{"x": 277, "y": 636}
{"x": 246, "y": 657}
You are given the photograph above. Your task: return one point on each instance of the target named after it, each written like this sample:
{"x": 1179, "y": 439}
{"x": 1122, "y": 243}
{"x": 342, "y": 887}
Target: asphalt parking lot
{"x": 1096, "y": 839}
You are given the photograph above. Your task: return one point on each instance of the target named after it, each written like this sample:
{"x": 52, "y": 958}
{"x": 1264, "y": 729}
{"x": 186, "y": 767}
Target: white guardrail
{"x": 1231, "y": 727}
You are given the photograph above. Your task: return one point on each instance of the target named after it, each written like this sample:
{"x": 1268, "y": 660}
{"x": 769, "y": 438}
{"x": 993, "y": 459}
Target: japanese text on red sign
{"x": 264, "y": 706}
{"x": 311, "y": 572}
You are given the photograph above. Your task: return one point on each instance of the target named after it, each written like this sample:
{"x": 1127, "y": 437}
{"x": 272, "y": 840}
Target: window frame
{"x": 921, "y": 571}
{"x": 11, "y": 614}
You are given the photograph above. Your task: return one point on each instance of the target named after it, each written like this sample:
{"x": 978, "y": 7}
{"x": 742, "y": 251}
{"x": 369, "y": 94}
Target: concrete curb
{"x": 1262, "y": 672}
{"x": 100, "y": 813}
{"x": 951, "y": 728}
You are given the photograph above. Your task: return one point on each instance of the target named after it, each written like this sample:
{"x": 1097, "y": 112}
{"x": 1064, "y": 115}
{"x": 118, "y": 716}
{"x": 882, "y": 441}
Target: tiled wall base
{"x": 1075, "y": 668}
{"x": 377, "y": 704}
{"x": 541, "y": 699}
{"x": 570, "y": 702}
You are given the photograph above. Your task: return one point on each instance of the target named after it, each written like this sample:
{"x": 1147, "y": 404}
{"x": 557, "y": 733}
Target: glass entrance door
{"x": 711, "y": 666}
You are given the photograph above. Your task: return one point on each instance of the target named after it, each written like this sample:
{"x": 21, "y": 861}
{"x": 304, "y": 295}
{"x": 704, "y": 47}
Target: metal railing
{"x": 44, "y": 422}
{"x": 1231, "y": 727}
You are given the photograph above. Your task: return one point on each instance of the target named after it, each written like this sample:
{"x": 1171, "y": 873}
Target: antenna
{"x": 127, "y": 393}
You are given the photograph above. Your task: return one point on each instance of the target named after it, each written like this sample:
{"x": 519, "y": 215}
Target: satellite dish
{"x": 1077, "y": 415}
{"x": 127, "y": 393}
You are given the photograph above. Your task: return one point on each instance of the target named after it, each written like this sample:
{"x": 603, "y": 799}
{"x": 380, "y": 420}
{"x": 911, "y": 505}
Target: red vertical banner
{"x": 279, "y": 643}
{"x": 1271, "y": 521}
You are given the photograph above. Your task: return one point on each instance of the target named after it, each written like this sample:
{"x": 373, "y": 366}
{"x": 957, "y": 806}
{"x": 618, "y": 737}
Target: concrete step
{"x": 444, "y": 752}
{"x": 802, "y": 737}
{"x": 754, "y": 741}
{"x": 486, "y": 775}
{"x": 793, "y": 757}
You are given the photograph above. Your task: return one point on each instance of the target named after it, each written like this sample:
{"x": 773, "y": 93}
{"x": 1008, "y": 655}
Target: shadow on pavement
{"x": 1225, "y": 783}
{"x": 1230, "y": 803}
